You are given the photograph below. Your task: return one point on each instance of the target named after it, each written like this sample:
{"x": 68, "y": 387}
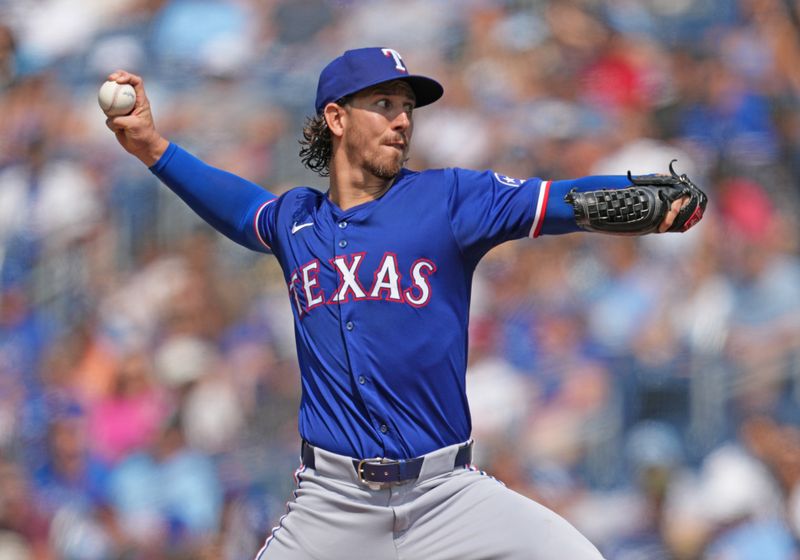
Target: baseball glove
{"x": 640, "y": 208}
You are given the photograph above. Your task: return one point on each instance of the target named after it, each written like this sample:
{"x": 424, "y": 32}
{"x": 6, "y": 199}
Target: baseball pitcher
{"x": 379, "y": 270}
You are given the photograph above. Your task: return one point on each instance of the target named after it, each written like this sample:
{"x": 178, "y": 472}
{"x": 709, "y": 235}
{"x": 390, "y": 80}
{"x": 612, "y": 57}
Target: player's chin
{"x": 395, "y": 166}
{"x": 386, "y": 172}
{"x": 388, "y": 167}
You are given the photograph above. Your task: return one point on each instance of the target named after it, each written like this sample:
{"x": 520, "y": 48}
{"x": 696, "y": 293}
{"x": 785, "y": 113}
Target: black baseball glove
{"x": 640, "y": 208}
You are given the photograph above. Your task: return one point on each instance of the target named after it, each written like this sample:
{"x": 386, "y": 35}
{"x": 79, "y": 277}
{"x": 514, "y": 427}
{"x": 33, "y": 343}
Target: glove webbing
{"x": 617, "y": 206}
{"x": 630, "y": 211}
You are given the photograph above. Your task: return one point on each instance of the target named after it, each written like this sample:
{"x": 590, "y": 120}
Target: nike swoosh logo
{"x": 297, "y": 227}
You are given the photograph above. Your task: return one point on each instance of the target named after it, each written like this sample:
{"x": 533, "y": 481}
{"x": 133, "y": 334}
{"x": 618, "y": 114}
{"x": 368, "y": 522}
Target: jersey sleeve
{"x": 237, "y": 208}
{"x": 487, "y": 208}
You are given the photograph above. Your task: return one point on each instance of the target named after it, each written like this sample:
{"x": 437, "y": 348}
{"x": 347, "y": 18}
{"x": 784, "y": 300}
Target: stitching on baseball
{"x": 114, "y": 97}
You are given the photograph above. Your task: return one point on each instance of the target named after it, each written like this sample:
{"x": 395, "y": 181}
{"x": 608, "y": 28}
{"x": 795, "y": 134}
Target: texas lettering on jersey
{"x": 387, "y": 283}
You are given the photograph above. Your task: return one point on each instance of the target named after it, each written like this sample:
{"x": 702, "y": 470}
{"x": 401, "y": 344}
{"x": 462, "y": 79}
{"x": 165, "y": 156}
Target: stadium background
{"x": 647, "y": 389}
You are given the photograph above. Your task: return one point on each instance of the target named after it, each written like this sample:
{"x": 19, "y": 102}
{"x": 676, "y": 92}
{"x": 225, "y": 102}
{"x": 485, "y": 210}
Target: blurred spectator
{"x": 169, "y": 495}
{"x": 71, "y": 477}
{"x": 730, "y": 121}
{"x": 203, "y": 35}
{"x": 498, "y": 394}
{"x": 19, "y": 516}
{"x": 576, "y": 414}
{"x": 765, "y": 323}
{"x": 48, "y": 203}
{"x": 628, "y": 521}
{"x": 25, "y": 337}
{"x": 14, "y": 547}
{"x": 127, "y": 419}
{"x": 8, "y": 62}
{"x": 623, "y": 300}
{"x": 213, "y": 414}
{"x": 743, "y": 509}
{"x": 181, "y": 360}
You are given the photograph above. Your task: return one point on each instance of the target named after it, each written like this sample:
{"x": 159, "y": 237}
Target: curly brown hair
{"x": 317, "y": 143}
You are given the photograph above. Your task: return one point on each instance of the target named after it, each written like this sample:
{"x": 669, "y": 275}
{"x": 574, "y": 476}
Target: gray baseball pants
{"x": 447, "y": 513}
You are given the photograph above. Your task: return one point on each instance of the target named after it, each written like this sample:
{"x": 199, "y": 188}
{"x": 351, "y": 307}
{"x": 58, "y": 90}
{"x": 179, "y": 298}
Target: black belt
{"x": 388, "y": 471}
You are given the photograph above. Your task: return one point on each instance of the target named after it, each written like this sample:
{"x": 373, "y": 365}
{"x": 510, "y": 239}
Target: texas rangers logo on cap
{"x": 359, "y": 69}
{"x": 398, "y": 60}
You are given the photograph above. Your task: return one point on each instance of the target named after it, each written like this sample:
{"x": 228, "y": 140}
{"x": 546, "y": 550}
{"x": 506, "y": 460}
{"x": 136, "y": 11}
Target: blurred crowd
{"x": 648, "y": 389}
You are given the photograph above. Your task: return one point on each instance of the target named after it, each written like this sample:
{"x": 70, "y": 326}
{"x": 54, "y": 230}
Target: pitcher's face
{"x": 378, "y": 132}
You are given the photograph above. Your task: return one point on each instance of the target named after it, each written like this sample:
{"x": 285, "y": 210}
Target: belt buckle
{"x": 372, "y": 484}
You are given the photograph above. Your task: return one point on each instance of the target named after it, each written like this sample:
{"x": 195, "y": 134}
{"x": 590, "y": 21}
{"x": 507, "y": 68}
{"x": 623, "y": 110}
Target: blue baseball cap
{"x": 358, "y": 69}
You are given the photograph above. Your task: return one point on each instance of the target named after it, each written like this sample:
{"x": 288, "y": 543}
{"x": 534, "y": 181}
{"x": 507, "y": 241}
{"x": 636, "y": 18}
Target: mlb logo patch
{"x": 508, "y": 181}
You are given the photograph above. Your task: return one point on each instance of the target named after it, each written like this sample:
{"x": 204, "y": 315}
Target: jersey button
{"x": 342, "y": 225}
{"x": 342, "y": 243}
{"x": 349, "y": 325}
{"x": 362, "y": 379}
{"x": 384, "y": 428}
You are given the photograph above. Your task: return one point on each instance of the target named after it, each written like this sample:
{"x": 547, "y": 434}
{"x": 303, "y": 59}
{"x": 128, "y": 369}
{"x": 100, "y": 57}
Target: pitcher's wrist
{"x": 154, "y": 151}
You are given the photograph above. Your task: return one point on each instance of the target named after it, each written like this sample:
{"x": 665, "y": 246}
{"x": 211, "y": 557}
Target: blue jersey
{"x": 381, "y": 292}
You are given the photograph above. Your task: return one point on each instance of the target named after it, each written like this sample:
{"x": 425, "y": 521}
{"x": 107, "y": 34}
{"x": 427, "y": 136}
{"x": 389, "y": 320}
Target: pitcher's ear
{"x": 335, "y": 116}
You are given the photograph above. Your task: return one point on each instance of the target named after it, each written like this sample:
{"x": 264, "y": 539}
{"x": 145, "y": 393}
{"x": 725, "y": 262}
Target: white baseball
{"x": 116, "y": 99}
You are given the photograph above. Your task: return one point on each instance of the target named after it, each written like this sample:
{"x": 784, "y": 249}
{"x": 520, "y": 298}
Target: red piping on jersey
{"x": 541, "y": 207}
{"x": 255, "y": 223}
